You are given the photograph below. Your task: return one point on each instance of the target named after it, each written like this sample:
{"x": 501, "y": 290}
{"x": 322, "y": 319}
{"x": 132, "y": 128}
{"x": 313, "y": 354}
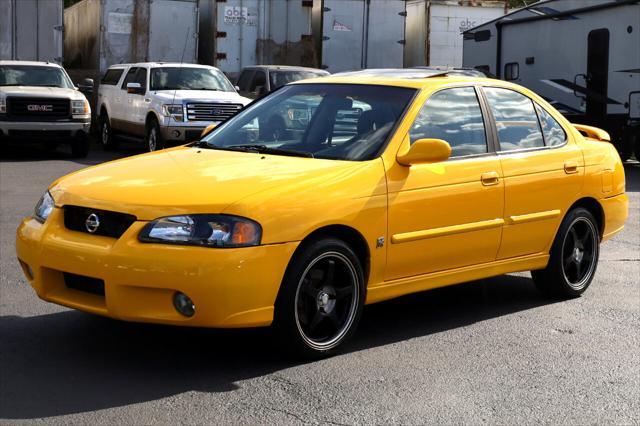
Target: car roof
{"x": 402, "y": 77}
{"x": 31, "y": 63}
{"x": 161, "y": 64}
{"x": 284, "y": 67}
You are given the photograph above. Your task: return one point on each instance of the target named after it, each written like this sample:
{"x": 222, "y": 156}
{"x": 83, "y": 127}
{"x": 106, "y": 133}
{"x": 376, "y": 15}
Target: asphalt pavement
{"x": 492, "y": 351}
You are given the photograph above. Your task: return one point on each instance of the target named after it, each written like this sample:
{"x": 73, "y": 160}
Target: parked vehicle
{"x": 163, "y": 102}
{"x": 39, "y": 101}
{"x": 586, "y": 64}
{"x": 262, "y": 79}
{"x": 442, "y": 180}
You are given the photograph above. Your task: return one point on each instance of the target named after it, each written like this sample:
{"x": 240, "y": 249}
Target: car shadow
{"x": 70, "y": 362}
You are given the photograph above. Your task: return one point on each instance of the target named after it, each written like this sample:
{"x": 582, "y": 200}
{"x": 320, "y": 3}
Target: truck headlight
{"x": 3, "y": 105}
{"x": 80, "y": 108}
{"x": 174, "y": 111}
{"x": 205, "y": 230}
{"x": 44, "y": 207}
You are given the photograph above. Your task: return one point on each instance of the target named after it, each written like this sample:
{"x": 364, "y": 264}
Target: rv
{"x": 583, "y": 56}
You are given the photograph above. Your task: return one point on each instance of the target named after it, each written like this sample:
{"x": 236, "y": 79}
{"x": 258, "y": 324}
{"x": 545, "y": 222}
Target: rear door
{"x": 543, "y": 171}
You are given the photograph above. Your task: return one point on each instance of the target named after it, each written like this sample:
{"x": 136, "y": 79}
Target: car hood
{"x": 173, "y": 96}
{"x": 40, "y": 92}
{"x": 191, "y": 180}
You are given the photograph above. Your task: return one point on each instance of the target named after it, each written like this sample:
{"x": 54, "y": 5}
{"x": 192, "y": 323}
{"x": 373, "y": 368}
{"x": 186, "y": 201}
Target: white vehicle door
{"x": 120, "y": 110}
{"x": 139, "y": 102}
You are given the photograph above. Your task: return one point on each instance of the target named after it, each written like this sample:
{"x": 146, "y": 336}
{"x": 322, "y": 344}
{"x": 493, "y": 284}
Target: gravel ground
{"x": 492, "y": 351}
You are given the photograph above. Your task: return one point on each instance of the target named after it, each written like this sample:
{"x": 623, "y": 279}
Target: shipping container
{"x": 100, "y": 33}
{"x": 31, "y": 30}
{"x": 434, "y": 29}
{"x": 239, "y": 33}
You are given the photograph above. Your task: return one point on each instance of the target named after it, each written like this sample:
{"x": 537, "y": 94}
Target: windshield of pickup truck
{"x": 280, "y": 78}
{"x": 330, "y": 121}
{"x": 34, "y": 75}
{"x": 182, "y": 78}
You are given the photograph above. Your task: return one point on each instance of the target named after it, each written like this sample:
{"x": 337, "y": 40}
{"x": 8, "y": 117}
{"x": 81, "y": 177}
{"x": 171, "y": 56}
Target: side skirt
{"x": 391, "y": 289}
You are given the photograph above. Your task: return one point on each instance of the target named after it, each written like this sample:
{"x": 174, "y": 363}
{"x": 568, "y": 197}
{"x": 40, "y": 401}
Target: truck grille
{"x": 211, "y": 112}
{"x": 110, "y": 224}
{"x": 38, "y": 107}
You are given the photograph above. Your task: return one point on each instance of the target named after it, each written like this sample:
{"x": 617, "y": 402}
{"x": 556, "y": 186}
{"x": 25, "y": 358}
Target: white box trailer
{"x": 583, "y": 56}
{"x": 31, "y": 30}
{"x": 100, "y": 33}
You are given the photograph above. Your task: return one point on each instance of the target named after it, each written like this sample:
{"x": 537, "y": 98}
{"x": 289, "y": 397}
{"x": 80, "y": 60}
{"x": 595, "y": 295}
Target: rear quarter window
{"x": 112, "y": 76}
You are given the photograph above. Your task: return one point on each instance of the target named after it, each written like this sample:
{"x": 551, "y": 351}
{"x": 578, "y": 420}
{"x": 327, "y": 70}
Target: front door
{"x": 543, "y": 171}
{"x": 446, "y": 215}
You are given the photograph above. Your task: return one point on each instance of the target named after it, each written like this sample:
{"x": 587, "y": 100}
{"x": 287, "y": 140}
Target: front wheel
{"x": 154, "y": 136}
{"x": 574, "y": 256}
{"x": 321, "y": 299}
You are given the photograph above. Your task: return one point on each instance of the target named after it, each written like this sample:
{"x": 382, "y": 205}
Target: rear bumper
{"x": 229, "y": 287}
{"x": 616, "y": 211}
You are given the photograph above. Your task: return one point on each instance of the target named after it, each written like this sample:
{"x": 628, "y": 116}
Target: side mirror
{"x": 208, "y": 130}
{"x": 86, "y": 86}
{"x": 425, "y": 151}
{"x": 237, "y": 88}
{"x": 134, "y": 88}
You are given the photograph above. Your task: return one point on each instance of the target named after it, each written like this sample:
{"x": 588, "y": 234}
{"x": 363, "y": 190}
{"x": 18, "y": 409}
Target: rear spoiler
{"x": 592, "y": 132}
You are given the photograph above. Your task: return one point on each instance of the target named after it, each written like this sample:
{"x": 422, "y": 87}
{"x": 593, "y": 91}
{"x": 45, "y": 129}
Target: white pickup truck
{"x": 163, "y": 103}
{"x": 39, "y": 102}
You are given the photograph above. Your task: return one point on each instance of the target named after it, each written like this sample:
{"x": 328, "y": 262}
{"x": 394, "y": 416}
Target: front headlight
{"x": 44, "y": 207}
{"x": 80, "y": 108}
{"x": 173, "y": 111}
{"x": 206, "y": 230}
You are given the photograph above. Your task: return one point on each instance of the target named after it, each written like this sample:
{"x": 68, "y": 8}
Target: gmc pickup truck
{"x": 38, "y": 101}
{"x": 163, "y": 103}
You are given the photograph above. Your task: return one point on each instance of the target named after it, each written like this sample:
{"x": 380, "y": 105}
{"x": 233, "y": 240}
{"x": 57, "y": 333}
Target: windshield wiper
{"x": 206, "y": 88}
{"x": 261, "y": 149}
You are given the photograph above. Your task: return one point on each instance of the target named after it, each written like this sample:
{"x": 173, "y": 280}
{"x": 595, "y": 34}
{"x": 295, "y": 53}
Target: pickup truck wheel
{"x": 80, "y": 146}
{"x": 321, "y": 299}
{"x": 106, "y": 134}
{"x": 574, "y": 257}
{"x": 154, "y": 136}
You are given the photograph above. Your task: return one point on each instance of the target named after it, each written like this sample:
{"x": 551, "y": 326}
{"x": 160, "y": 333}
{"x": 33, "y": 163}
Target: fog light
{"x": 183, "y": 304}
{"x": 176, "y": 133}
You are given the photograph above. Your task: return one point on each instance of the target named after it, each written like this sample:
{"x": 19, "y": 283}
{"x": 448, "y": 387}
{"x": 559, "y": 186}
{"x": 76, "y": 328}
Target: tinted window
{"x": 553, "y": 132}
{"x": 516, "y": 120}
{"x": 280, "y": 78}
{"x": 129, "y": 78}
{"x": 183, "y": 78}
{"x": 337, "y": 121}
{"x": 453, "y": 115}
{"x": 141, "y": 77}
{"x": 245, "y": 80}
{"x": 111, "y": 77}
{"x": 259, "y": 79}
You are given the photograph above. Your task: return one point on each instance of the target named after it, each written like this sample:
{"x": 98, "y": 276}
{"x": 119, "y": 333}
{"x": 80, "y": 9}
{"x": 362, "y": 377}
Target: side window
{"x": 112, "y": 76}
{"x": 141, "y": 78}
{"x": 453, "y": 115}
{"x": 129, "y": 78}
{"x": 511, "y": 71}
{"x": 553, "y": 132}
{"x": 259, "y": 79}
{"x": 245, "y": 80}
{"x": 516, "y": 119}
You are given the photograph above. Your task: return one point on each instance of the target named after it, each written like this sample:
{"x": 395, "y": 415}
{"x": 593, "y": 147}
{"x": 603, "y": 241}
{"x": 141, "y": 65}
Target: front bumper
{"x": 44, "y": 128}
{"x": 182, "y": 133}
{"x": 229, "y": 287}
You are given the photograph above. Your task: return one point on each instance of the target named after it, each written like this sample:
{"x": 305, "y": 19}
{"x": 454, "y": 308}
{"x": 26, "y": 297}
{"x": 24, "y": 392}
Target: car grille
{"x": 211, "y": 112}
{"x": 111, "y": 224}
{"x": 38, "y": 107}
{"x": 83, "y": 283}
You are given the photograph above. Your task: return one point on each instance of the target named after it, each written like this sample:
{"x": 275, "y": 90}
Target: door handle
{"x": 147, "y": 100}
{"x": 570, "y": 167}
{"x": 490, "y": 178}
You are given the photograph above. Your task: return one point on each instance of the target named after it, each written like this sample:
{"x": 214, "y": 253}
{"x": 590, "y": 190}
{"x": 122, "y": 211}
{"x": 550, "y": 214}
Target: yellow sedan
{"x": 327, "y": 195}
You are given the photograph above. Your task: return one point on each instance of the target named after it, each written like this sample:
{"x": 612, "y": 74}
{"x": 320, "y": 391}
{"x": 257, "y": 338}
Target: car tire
{"x": 314, "y": 315}
{"x": 107, "y": 138}
{"x": 154, "y": 136}
{"x": 574, "y": 257}
{"x": 80, "y": 146}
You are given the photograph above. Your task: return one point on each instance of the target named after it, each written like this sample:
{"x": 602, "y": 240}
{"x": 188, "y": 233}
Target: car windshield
{"x": 333, "y": 121}
{"x": 34, "y": 75}
{"x": 183, "y": 78}
{"x": 280, "y": 78}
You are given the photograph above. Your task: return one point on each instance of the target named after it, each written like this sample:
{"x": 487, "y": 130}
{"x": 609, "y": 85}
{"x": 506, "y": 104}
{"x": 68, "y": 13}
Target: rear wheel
{"x": 321, "y": 299}
{"x": 107, "y": 138}
{"x": 574, "y": 256}
{"x": 154, "y": 136}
